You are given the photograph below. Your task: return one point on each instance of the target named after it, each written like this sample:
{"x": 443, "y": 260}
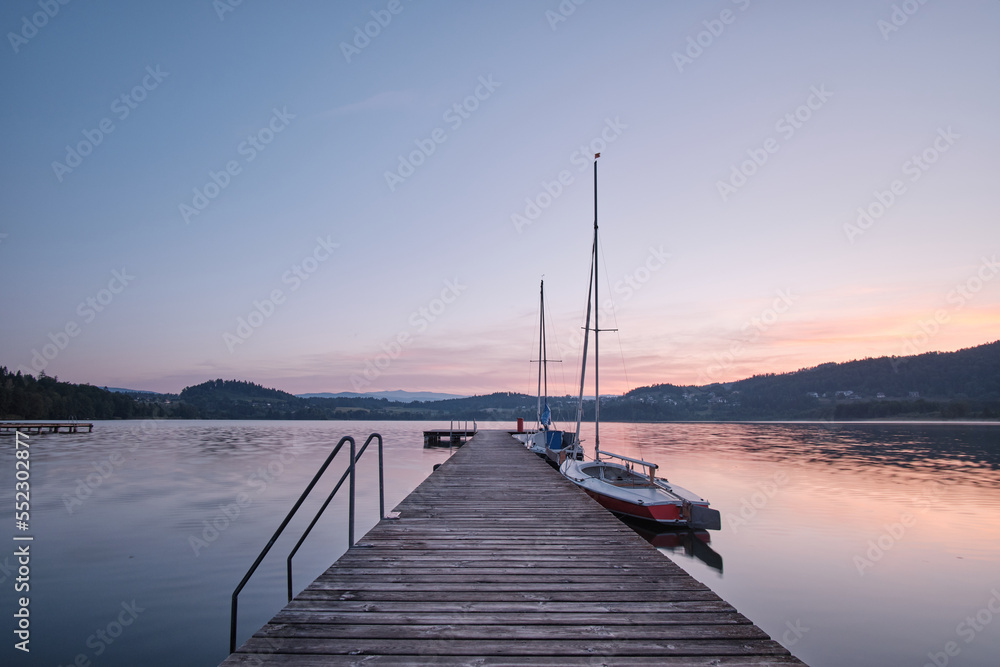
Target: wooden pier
{"x": 49, "y": 427}
{"x": 449, "y": 437}
{"x": 496, "y": 559}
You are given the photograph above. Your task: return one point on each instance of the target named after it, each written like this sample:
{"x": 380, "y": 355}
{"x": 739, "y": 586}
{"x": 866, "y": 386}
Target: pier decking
{"x": 48, "y": 427}
{"x": 497, "y": 560}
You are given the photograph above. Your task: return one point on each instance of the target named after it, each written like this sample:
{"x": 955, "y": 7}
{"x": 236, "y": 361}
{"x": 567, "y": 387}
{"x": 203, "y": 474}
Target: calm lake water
{"x": 852, "y": 544}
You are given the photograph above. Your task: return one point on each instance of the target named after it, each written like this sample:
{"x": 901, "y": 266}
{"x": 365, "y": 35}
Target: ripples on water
{"x": 805, "y": 509}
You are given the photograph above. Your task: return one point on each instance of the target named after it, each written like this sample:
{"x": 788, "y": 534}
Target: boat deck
{"x": 496, "y": 559}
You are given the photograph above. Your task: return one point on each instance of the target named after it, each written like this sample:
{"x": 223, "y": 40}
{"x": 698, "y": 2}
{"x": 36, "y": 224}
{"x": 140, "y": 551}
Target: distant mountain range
{"x": 936, "y": 385}
{"x": 399, "y": 395}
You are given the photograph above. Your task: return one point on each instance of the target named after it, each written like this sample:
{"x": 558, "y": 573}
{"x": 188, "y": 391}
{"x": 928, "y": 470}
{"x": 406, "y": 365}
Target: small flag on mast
{"x": 597, "y": 155}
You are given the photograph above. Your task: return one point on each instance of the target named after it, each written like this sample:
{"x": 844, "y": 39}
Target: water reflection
{"x": 951, "y": 453}
{"x": 691, "y": 543}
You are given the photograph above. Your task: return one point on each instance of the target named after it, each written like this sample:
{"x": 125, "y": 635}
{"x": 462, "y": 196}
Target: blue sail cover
{"x": 546, "y": 415}
{"x": 554, "y": 440}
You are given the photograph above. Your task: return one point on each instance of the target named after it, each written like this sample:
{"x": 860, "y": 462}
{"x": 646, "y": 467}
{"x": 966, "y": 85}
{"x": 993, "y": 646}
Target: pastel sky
{"x": 336, "y": 196}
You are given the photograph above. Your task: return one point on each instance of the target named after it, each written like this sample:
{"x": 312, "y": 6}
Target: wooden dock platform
{"x": 36, "y": 428}
{"x": 496, "y": 559}
{"x": 451, "y": 437}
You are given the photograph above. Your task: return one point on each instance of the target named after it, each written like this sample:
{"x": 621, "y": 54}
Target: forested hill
{"x": 27, "y": 397}
{"x": 970, "y": 373}
{"x": 962, "y": 384}
{"x": 234, "y": 399}
{"x": 965, "y": 383}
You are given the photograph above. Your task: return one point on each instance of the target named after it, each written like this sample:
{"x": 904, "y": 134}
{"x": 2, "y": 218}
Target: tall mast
{"x": 541, "y": 347}
{"x": 597, "y": 328}
{"x": 545, "y": 348}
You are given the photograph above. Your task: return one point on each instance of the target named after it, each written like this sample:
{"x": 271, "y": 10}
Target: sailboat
{"x": 625, "y": 485}
{"x": 545, "y": 438}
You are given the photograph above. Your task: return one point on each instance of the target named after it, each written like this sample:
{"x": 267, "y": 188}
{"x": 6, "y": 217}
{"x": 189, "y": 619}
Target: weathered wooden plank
{"x": 613, "y": 609}
{"x": 285, "y": 660}
{"x": 511, "y": 632}
{"x": 498, "y": 596}
{"x": 597, "y": 556}
{"x": 520, "y": 661}
{"x": 482, "y": 585}
{"x": 549, "y": 646}
{"x": 514, "y": 575}
{"x": 501, "y": 570}
{"x": 437, "y": 617}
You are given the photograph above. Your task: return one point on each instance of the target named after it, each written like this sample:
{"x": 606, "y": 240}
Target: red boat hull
{"x": 665, "y": 513}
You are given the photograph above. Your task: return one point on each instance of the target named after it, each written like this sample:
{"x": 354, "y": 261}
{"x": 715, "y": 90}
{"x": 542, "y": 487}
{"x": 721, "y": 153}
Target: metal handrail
{"x": 350, "y": 520}
{"x": 463, "y": 425}
{"x": 298, "y": 503}
{"x": 627, "y": 458}
{"x": 652, "y": 467}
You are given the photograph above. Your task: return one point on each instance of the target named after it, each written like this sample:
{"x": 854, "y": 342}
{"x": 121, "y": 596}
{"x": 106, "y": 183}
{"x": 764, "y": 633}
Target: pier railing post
{"x": 350, "y": 511}
{"x": 381, "y": 483}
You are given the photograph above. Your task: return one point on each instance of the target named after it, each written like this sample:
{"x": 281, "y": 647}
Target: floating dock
{"x": 48, "y": 427}
{"x": 496, "y": 559}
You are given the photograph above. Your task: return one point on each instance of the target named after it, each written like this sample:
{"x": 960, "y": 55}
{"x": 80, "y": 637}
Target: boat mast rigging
{"x": 592, "y": 297}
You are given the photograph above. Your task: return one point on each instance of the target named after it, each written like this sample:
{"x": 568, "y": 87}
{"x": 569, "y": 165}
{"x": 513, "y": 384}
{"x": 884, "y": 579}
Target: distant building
{"x": 880, "y": 395}
{"x": 914, "y": 394}
{"x": 812, "y": 394}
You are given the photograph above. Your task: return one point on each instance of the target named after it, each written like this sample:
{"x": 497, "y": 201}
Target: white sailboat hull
{"x": 630, "y": 493}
